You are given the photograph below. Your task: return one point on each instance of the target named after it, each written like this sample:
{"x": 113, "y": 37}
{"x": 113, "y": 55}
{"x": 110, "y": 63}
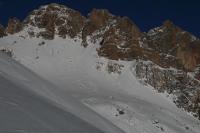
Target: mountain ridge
{"x": 119, "y": 38}
{"x": 64, "y": 21}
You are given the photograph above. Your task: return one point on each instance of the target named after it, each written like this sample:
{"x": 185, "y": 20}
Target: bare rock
{"x": 177, "y": 82}
{"x": 56, "y": 19}
{"x": 172, "y": 40}
{"x": 120, "y": 39}
{"x": 14, "y": 26}
{"x": 97, "y": 21}
{"x": 2, "y": 31}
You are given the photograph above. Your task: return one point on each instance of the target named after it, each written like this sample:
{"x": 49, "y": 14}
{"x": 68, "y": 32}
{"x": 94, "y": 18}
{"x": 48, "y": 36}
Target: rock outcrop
{"x": 180, "y": 84}
{"x": 172, "y": 40}
{"x": 14, "y": 26}
{"x": 2, "y": 31}
{"x": 56, "y": 19}
{"x": 97, "y": 21}
{"x": 120, "y": 40}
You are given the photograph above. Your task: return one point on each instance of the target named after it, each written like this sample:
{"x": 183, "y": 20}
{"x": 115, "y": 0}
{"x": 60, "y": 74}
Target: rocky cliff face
{"x": 172, "y": 40}
{"x": 14, "y": 26}
{"x": 2, "y": 31}
{"x": 183, "y": 86}
{"x": 165, "y": 47}
{"x": 56, "y": 19}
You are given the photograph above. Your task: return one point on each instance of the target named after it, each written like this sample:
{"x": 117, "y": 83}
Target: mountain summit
{"x": 120, "y": 37}
{"x": 69, "y": 49}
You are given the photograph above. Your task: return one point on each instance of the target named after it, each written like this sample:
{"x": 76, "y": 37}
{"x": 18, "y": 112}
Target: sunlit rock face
{"x": 172, "y": 40}
{"x": 56, "y": 19}
{"x": 14, "y": 26}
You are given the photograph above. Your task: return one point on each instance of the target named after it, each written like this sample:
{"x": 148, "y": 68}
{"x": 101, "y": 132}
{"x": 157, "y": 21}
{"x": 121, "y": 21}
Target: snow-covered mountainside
{"x": 106, "y": 63}
{"x": 30, "y": 104}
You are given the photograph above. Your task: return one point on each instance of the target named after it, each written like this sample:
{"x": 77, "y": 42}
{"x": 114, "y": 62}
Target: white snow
{"x": 73, "y": 68}
{"x": 30, "y": 103}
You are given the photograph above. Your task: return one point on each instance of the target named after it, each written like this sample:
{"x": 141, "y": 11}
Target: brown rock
{"x": 97, "y": 20}
{"x": 163, "y": 39}
{"x": 55, "y": 17}
{"x": 99, "y": 17}
{"x": 129, "y": 29}
{"x": 189, "y": 55}
{"x": 122, "y": 37}
{"x": 14, "y": 26}
{"x": 172, "y": 40}
{"x": 74, "y": 25}
{"x": 2, "y": 31}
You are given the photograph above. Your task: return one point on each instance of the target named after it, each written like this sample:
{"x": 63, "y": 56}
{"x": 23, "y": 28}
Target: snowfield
{"x": 84, "y": 84}
{"x": 29, "y": 104}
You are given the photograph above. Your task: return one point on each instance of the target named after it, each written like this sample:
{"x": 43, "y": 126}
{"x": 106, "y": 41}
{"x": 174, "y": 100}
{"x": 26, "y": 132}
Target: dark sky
{"x": 145, "y": 13}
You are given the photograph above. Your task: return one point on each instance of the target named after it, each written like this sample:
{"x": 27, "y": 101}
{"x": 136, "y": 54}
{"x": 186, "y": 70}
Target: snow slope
{"x": 29, "y": 104}
{"x": 117, "y": 96}
{"x": 25, "y": 112}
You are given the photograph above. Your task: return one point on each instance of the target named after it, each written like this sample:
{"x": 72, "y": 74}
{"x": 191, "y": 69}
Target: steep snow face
{"x": 108, "y": 87}
{"x": 31, "y": 104}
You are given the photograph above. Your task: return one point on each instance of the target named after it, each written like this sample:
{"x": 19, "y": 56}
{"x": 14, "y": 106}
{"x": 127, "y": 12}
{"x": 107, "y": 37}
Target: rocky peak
{"x": 97, "y": 21}
{"x": 55, "y": 18}
{"x": 169, "y": 39}
{"x": 120, "y": 37}
{"x": 2, "y": 31}
{"x": 14, "y": 26}
{"x": 99, "y": 17}
{"x": 129, "y": 28}
{"x": 168, "y": 24}
{"x": 117, "y": 34}
{"x": 163, "y": 38}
